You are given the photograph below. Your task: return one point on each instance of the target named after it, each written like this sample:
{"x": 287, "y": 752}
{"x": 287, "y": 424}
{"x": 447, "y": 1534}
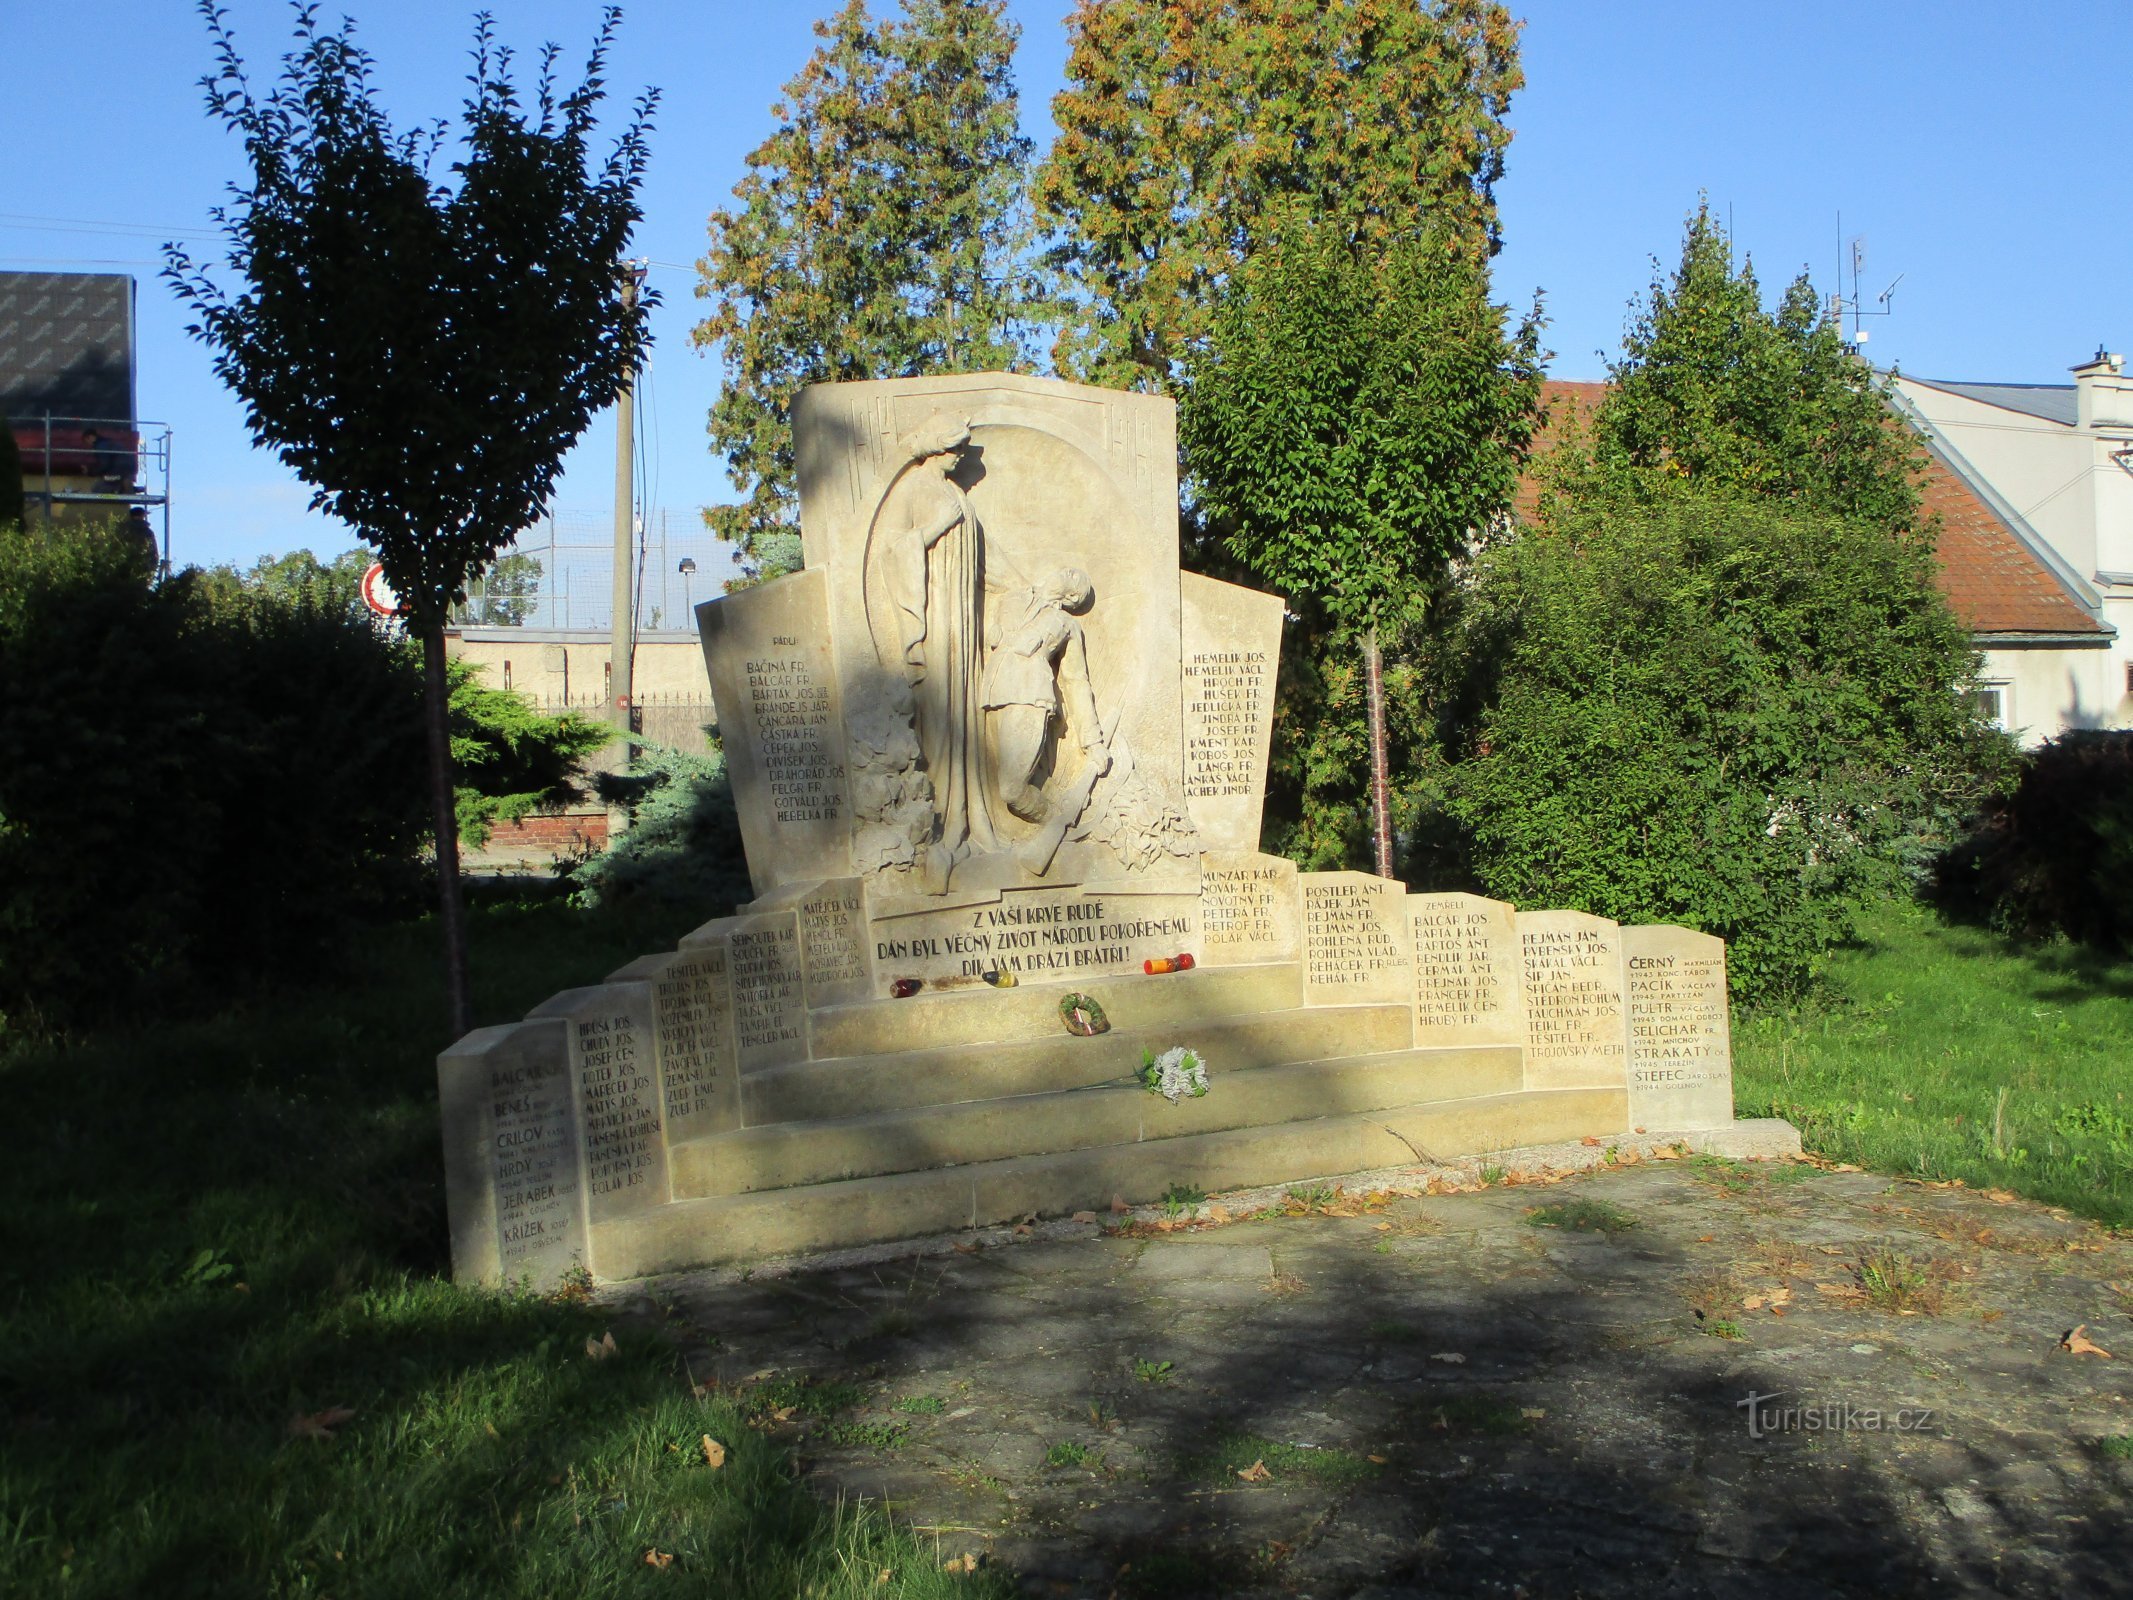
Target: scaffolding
{"x": 112, "y": 463}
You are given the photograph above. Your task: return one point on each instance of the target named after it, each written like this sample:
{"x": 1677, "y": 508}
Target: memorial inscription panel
{"x": 622, "y": 1151}
{"x": 511, "y": 1176}
{"x": 692, "y": 1030}
{"x": 1571, "y": 967}
{"x": 1251, "y": 910}
{"x": 773, "y": 678}
{"x": 1467, "y": 980}
{"x": 834, "y": 948}
{"x": 1231, "y": 650}
{"x": 763, "y": 962}
{"x": 1357, "y": 946}
{"x": 1038, "y": 935}
{"x": 1680, "y": 1033}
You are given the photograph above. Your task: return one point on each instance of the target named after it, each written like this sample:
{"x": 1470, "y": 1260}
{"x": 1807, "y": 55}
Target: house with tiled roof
{"x": 2034, "y": 484}
{"x": 2032, "y": 521}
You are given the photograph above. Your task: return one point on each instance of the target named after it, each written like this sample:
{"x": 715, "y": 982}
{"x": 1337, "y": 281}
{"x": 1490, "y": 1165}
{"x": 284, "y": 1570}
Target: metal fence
{"x": 571, "y": 582}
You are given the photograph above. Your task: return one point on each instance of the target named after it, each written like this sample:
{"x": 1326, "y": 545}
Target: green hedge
{"x": 1728, "y": 714}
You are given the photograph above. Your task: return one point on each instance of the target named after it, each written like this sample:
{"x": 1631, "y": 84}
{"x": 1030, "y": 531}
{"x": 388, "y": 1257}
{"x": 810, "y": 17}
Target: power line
{"x": 24, "y": 221}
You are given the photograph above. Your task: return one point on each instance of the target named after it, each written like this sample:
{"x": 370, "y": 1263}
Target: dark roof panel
{"x": 66, "y": 345}
{"x": 2052, "y": 402}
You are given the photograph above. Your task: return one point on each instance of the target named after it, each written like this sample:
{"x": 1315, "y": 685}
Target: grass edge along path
{"x": 231, "y": 1360}
{"x": 1949, "y": 1052}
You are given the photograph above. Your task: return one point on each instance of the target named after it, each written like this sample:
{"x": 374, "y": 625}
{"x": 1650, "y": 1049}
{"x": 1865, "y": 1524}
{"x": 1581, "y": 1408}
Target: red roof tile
{"x": 1992, "y": 580}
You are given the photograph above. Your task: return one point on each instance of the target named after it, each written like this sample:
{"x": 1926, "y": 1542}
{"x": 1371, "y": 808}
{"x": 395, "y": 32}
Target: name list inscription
{"x": 619, "y": 1112}
{"x": 1677, "y": 1020}
{"x": 832, "y": 942}
{"x": 1244, "y": 905}
{"x": 1353, "y": 949}
{"x": 769, "y": 1008}
{"x": 1226, "y": 698}
{"x": 691, "y": 1009}
{"x": 536, "y": 1170}
{"x": 1573, "y": 1004}
{"x": 1462, "y": 953}
{"x": 795, "y": 740}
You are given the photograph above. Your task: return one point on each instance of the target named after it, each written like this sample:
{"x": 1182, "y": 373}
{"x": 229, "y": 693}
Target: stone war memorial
{"x": 999, "y": 766}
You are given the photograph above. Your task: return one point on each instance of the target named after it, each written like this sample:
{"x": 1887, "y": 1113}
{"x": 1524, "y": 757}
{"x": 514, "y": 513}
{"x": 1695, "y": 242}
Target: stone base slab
{"x": 1771, "y": 1140}
{"x": 809, "y": 1090}
{"x": 828, "y": 1216}
{"x": 784, "y": 1155}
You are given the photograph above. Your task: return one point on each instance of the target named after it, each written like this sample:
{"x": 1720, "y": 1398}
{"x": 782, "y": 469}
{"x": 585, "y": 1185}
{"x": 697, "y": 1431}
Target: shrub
{"x": 1735, "y": 715}
{"x": 683, "y": 845}
{"x": 2055, "y": 854}
{"x": 510, "y": 758}
{"x": 191, "y": 783}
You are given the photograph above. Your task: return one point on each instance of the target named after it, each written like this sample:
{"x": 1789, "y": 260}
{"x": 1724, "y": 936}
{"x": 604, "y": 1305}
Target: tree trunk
{"x": 1380, "y": 789}
{"x": 444, "y": 821}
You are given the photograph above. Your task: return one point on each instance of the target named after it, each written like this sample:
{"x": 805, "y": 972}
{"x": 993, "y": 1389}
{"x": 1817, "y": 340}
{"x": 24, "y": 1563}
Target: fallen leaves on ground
{"x": 714, "y": 1452}
{"x": 601, "y": 1348}
{"x": 1450, "y": 1358}
{"x": 1255, "y": 1473}
{"x": 966, "y": 1563}
{"x": 659, "y": 1559}
{"x": 1084, "y": 1216}
{"x": 2079, "y": 1343}
{"x": 1848, "y": 1293}
{"x": 320, "y": 1424}
{"x": 1775, "y": 1299}
{"x": 1118, "y": 1205}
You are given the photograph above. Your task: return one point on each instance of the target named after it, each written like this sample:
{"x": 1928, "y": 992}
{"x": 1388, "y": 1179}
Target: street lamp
{"x": 687, "y": 569}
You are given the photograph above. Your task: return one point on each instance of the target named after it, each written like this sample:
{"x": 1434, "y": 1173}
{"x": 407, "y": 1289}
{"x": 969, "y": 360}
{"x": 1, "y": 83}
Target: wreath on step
{"x": 1083, "y": 1015}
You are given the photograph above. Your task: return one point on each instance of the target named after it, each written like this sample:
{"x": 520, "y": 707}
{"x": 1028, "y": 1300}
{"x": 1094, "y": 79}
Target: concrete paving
{"x": 1407, "y": 1393}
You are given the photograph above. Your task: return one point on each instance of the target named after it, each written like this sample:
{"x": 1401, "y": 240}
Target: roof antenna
{"x": 1852, "y": 305}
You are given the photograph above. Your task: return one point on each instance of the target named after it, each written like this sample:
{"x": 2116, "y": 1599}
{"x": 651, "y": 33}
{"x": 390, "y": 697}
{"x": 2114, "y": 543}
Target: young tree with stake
{"x": 422, "y": 350}
{"x": 1356, "y": 416}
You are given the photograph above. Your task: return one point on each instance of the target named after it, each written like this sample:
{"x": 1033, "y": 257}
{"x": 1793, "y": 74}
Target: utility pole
{"x": 622, "y": 628}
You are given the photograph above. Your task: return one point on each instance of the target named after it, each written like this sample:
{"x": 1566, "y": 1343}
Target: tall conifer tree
{"x": 1186, "y": 121}
{"x": 878, "y": 234}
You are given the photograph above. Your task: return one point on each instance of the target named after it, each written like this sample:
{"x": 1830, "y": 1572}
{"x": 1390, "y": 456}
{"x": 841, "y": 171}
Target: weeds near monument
{"x": 1153, "y": 1371}
{"x": 1236, "y": 1455}
{"x": 1892, "y": 1281}
{"x": 1067, "y": 1453}
{"x": 1180, "y": 1198}
{"x": 1582, "y": 1216}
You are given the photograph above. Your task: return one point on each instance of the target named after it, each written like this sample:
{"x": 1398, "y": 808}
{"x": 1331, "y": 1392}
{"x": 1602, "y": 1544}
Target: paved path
{"x": 1433, "y": 1395}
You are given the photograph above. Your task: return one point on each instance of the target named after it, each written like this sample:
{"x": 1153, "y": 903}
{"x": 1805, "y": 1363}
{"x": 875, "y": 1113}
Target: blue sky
{"x": 1977, "y": 147}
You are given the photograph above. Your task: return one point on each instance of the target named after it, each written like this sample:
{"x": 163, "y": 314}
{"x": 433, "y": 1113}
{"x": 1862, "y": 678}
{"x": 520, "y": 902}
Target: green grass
{"x": 222, "y": 1225}
{"x": 1067, "y": 1453}
{"x": 1582, "y": 1216}
{"x": 1232, "y": 1453}
{"x": 1950, "y": 1052}
{"x": 2117, "y": 1446}
{"x": 922, "y": 1405}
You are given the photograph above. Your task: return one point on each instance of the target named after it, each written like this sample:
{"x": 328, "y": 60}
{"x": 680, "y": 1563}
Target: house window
{"x": 1993, "y": 702}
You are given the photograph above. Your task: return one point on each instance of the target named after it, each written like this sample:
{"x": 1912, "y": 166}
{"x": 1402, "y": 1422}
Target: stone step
{"x": 816, "y": 1091}
{"x": 786, "y": 1154}
{"x": 1030, "y": 1011}
{"x": 832, "y": 1216}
